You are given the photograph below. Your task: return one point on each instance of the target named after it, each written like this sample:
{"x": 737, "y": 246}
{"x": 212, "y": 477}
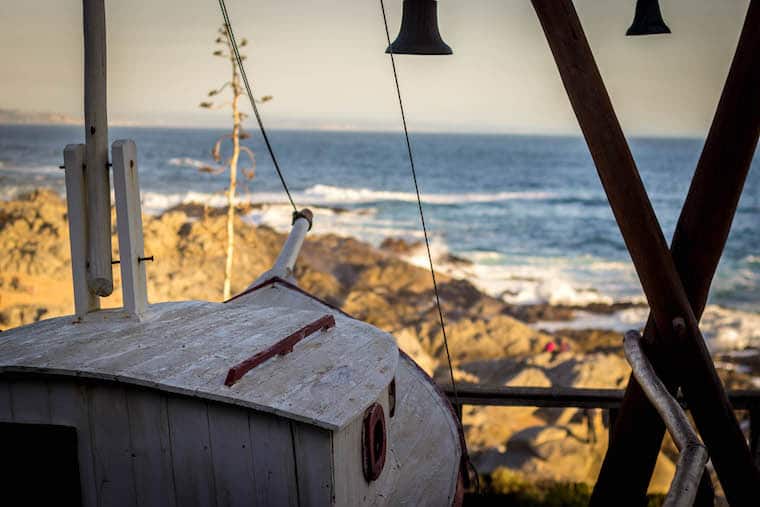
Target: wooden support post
{"x": 612, "y": 417}
{"x": 697, "y": 245}
{"x": 129, "y": 225}
{"x": 76, "y": 206}
{"x": 673, "y": 316}
{"x": 99, "y": 271}
{"x": 754, "y": 432}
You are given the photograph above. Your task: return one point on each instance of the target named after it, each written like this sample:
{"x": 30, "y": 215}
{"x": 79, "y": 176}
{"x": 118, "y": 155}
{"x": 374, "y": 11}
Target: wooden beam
{"x": 697, "y": 245}
{"x": 673, "y": 316}
{"x": 578, "y": 397}
{"x": 126, "y": 186}
{"x": 76, "y": 212}
{"x": 552, "y": 397}
{"x": 99, "y": 271}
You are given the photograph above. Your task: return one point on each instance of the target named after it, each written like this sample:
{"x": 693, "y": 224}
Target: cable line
{"x": 419, "y": 206}
{"x": 248, "y": 89}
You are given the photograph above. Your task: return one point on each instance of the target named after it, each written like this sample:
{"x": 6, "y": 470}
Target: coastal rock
{"x": 471, "y": 339}
{"x": 488, "y": 344}
{"x": 595, "y": 340}
{"x": 530, "y": 377}
{"x": 399, "y": 246}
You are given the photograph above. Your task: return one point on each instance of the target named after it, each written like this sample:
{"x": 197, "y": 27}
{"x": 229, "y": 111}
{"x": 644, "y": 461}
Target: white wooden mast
{"x": 88, "y": 191}
{"x": 98, "y": 206}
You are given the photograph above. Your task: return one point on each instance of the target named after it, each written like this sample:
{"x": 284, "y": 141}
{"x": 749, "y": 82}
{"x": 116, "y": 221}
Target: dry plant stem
{"x": 236, "y": 91}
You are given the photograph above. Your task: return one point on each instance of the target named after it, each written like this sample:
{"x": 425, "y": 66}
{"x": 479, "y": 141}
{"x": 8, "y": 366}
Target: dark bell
{"x": 648, "y": 19}
{"x": 419, "y": 33}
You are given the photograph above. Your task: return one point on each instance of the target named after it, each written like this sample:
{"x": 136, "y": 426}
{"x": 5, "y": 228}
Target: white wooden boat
{"x": 271, "y": 398}
{"x": 148, "y": 409}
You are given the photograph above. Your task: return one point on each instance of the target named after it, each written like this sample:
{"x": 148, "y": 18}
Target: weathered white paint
{"x": 76, "y": 208}
{"x": 69, "y": 407}
{"x": 193, "y": 465}
{"x": 6, "y": 403}
{"x": 274, "y": 466}
{"x": 351, "y": 488}
{"x": 422, "y": 463}
{"x": 232, "y": 455}
{"x": 191, "y": 450}
{"x": 29, "y": 402}
{"x": 126, "y": 187}
{"x": 313, "y": 452}
{"x": 112, "y": 455}
{"x": 100, "y": 278}
{"x": 188, "y": 348}
{"x": 151, "y": 448}
{"x": 286, "y": 260}
{"x": 426, "y": 449}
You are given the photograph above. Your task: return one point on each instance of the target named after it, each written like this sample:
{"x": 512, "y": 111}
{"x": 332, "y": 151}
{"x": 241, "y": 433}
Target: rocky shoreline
{"x": 491, "y": 341}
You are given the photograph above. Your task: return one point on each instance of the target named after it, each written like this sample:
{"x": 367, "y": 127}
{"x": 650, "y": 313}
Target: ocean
{"x": 528, "y": 211}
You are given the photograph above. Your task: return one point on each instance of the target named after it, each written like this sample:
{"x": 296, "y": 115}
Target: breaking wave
{"x": 187, "y": 162}
{"x": 332, "y": 194}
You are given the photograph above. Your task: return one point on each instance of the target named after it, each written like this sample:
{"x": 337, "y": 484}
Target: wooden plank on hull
{"x": 314, "y": 466}
{"x": 191, "y": 452}
{"x": 420, "y": 406}
{"x": 31, "y": 403}
{"x": 68, "y": 407}
{"x": 232, "y": 454}
{"x": 151, "y": 447}
{"x": 274, "y": 465}
{"x": 109, "y": 424}
{"x": 6, "y": 404}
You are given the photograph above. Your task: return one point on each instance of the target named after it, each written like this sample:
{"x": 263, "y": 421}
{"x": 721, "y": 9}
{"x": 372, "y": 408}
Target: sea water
{"x": 529, "y": 212}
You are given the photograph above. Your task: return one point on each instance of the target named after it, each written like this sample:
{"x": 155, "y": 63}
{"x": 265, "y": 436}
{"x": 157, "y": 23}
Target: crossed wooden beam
{"x": 676, "y": 281}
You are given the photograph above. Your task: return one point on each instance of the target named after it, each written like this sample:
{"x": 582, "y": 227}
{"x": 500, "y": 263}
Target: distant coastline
{"x": 18, "y": 117}
{"x": 14, "y": 117}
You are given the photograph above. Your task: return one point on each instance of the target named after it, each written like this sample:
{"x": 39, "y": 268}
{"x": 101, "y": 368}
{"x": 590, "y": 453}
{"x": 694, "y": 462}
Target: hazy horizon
{"x": 324, "y": 63}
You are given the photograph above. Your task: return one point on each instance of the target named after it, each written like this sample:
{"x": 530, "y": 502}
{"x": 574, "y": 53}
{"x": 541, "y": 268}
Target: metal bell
{"x": 419, "y": 33}
{"x": 648, "y": 19}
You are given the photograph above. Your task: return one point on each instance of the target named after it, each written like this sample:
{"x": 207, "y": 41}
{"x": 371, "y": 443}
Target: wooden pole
{"x": 129, "y": 225}
{"x": 99, "y": 274}
{"x": 697, "y": 245}
{"x": 76, "y": 208}
{"x": 673, "y": 316}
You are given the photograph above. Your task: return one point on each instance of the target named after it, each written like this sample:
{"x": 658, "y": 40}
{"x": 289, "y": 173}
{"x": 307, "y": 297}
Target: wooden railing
{"x": 606, "y": 399}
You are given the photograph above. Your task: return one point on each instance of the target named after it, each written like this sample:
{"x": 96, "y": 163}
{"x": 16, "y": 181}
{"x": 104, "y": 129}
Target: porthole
{"x": 374, "y": 442}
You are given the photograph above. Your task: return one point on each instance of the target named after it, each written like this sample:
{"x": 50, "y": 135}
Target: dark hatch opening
{"x": 39, "y": 464}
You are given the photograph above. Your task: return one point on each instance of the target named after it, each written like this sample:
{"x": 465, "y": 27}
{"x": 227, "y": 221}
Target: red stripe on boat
{"x": 282, "y": 347}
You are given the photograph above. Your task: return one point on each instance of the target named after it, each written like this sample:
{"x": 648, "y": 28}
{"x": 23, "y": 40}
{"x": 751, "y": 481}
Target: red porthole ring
{"x": 374, "y": 442}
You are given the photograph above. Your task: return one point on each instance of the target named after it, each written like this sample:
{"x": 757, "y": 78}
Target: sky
{"x": 324, "y": 63}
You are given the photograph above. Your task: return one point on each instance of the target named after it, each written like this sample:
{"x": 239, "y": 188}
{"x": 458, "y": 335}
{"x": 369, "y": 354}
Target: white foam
{"x": 726, "y": 329}
{"x": 188, "y": 162}
{"x": 526, "y": 281}
{"x": 723, "y": 329}
{"x": 333, "y": 194}
{"x": 155, "y": 203}
{"x": 36, "y": 170}
{"x": 317, "y": 195}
